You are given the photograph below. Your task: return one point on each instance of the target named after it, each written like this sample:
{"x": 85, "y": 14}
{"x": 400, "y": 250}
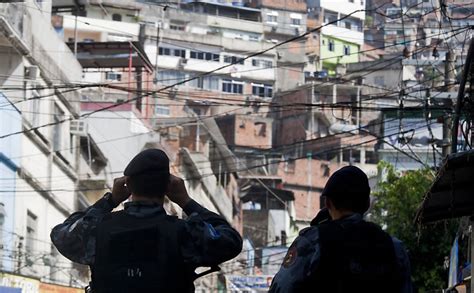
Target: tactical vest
{"x": 355, "y": 257}
{"x": 140, "y": 255}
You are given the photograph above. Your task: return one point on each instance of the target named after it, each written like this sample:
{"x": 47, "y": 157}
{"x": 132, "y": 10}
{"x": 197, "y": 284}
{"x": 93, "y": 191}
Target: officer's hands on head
{"x": 177, "y": 191}
{"x": 120, "y": 191}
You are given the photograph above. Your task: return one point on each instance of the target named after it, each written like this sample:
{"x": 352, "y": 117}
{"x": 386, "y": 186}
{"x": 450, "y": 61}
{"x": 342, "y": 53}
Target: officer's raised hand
{"x": 120, "y": 191}
{"x": 177, "y": 192}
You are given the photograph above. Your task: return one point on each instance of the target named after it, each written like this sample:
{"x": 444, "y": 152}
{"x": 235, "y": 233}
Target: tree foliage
{"x": 397, "y": 199}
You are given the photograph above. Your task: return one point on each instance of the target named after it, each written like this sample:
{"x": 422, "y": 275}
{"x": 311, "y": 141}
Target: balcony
{"x": 30, "y": 31}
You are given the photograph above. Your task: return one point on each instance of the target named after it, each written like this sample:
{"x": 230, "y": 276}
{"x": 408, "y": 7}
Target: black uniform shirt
{"x": 210, "y": 239}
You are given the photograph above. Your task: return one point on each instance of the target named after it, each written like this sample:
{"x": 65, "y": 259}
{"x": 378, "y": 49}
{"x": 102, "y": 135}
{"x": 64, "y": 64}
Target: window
{"x": 347, "y": 50}
{"x": 164, "y": 51}
{"x": 177, "y": 27}
{"x": 379, "y": 80}
{"x": 272, "y": 17}
{"x": 290, "y": 165}
{"x": 253, "y": 38}
{"x": 331, "y": 45}
{"x": 232, "y": 86}
{"x": 296, "y": 21}
{"x": 54, "y": 254}
{"x": 262, "y": 90}
{"x": 330, "y": 17}
{"x": 31, "y": 231}
{"x": 170, "y": 76}
{"x": 58, "y": 116}
{"x": 347, "y": 25}
{"x": 262, "y": 63}
{"x": 205, "y": 82}
{"x": 35, "y": 108}
{"x": 116, "y": 17}
{"x": 162, "y": 110}
{"x": 171, "y": 52}
{"x": 111, "y": 75}
{"x": 209, "y": 83}
{"x": 233, "y": 59}
{"x": 179, "y": 53}
{"x": 205, "y": 56}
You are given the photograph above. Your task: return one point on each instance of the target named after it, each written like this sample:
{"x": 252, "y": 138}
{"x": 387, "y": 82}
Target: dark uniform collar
{"x": 350, "y": 220}
{"x": 143, "y": 209}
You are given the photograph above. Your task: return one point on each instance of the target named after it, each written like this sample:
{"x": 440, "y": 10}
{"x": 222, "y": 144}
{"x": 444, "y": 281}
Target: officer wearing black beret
{"x": 341, "y": 252}
{"x": 141, "y": 248}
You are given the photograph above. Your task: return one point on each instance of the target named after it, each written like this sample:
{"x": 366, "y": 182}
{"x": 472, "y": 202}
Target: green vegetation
{"x": 397, "y": 200}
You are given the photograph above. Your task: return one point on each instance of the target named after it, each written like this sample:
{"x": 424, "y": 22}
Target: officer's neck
{"x": 155, "y": 200}
{"x": 340, "y": 214}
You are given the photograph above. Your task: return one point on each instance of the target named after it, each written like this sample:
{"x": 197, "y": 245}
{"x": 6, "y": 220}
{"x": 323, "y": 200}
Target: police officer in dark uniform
{"x": 341, "y": 252}
{"x": 141, "y": 248}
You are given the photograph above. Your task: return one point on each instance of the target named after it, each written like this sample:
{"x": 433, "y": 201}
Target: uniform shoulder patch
{"x": 290, "y": 257}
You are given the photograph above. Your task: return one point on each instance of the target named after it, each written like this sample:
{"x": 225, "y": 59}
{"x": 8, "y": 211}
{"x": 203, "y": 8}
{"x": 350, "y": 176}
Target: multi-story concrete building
{"x": 342, "y": 34}
{"x": 40, "y": 143}
{"x": 316, "y": 141}
{"x": 283, "y": 20}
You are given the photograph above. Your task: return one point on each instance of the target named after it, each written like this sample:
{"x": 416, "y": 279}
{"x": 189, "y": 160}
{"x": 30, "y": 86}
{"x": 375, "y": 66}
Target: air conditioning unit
{"x": 182, "y": 62}
{"x": 31, "y": 72}
{"x": 78, "y": 127}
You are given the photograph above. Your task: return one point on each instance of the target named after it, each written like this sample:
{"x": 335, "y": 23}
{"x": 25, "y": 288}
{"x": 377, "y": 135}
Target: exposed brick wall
{"x": 307, "y": 192}
{"x": 248, "y": 131}
{"x": 292, "y": 5}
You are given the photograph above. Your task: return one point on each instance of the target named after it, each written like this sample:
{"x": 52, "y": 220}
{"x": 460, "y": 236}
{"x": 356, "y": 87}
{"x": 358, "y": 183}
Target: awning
{"x": 111, "y": 55}
{"x": 452, "y": 193}
{"x": 257, "y": 192}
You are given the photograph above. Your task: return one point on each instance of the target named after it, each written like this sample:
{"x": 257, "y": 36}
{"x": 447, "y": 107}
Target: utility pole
{"x": 139, "y": 71}
{"x": 449, "y": 80}
{"x": 155, "y": 78}
{"x": 159, "y": 25}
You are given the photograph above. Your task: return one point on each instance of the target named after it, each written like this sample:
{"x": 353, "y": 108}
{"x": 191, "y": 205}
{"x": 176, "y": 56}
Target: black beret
{"x": 347, "y": 181}
{"x": 150, "y": 161}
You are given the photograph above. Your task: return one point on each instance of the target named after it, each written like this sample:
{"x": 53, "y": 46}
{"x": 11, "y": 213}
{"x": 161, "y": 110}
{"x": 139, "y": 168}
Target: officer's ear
{"x": 328, "y": 203}
{"x": 127, "y": 181}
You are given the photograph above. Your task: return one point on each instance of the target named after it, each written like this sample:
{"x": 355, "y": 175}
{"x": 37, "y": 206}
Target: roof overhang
{"x": 258, "y": 192}
{"x": 452, "y": 193}
{"x": 111, "y": 55}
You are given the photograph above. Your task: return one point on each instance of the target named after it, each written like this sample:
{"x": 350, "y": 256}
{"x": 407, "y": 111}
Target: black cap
{"x": 351, "y": 183}
{"x": 150, "y": 161}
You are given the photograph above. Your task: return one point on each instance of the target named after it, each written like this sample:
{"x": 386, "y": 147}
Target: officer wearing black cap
{"x": 141, "y": 248}
{"x": 341, "y": 252}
